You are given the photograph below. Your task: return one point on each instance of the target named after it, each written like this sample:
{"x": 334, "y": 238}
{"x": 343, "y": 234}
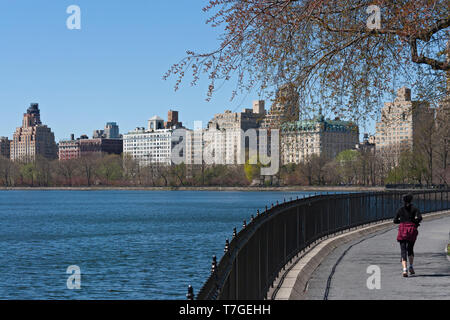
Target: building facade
{"x": 368, "y": 144}
{"x": 83, "y": 146}
{"x": 400, "y": 125}
{"x": 149, "y": 146}
{"x": 111, "y": 131}
{"x": 5, "y": 149}
{"x": 69, "y": 150}
{"x": 284, "y": 109}
{"x": 172, "y": 120}
{"x": 302, "y": 139}
{"x": 33, "y": 138}
{"x": 225, "y": 133}
{"x": 154, "y": 144}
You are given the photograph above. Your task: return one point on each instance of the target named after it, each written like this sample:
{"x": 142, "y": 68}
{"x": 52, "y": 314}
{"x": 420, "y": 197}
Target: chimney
{"x": 72, "y": 137}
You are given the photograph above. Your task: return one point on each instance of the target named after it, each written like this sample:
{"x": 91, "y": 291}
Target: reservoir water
{"x": 127, "y": 244}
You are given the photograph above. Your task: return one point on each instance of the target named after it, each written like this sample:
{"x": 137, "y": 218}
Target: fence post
{"x": 259, "y": 263}
{"x": 190, "y": 294}
{"x": 435, "y": 201}
{"x": 298, "y": 229}
{"x": 357, "y": 208}
{"x": 237, "y": 276}
{"x": 376, "y": 207}
{"x": 227, "y": 246}
{"x": 328, "y": 216}
{"x": 284, "y": 243}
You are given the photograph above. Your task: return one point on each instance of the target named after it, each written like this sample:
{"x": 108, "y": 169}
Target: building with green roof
{"x": 319, "y": 136}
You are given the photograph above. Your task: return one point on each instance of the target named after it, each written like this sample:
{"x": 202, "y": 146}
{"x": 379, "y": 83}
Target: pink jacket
{"x": 407, "y": 231}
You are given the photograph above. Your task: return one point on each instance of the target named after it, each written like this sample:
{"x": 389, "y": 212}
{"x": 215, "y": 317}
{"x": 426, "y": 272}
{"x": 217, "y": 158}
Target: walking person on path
{"x": 409, "y": 218}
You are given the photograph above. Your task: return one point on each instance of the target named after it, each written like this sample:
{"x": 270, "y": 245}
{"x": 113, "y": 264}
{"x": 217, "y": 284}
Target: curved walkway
{"x": 343, "y": 274}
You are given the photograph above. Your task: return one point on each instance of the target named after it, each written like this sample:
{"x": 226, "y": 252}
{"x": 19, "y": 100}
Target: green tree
{"x": 326, "y": 49}
{"x": 28, "y": 172}
{"x": 110, "y": 168}
{"x": 348, "y": 165}
{"x": 252, "y": 171}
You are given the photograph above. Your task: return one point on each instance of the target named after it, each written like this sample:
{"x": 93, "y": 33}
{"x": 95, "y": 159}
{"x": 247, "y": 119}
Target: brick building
{"x": 33, "y": 138}
{"x": 172, "y": 120}
{"x": 74, "y": 149}
{"x": 69, "y": 149}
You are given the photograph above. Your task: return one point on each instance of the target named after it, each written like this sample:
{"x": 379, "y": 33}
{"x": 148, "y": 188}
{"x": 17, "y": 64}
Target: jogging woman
{"x": 409, "y": 218}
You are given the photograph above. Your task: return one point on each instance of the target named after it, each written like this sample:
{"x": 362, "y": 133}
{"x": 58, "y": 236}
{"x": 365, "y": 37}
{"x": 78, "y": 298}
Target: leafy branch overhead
{"x": 324, "y": 48}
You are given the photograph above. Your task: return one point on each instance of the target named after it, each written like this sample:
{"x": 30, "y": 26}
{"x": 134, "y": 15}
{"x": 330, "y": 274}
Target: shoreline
{"x": 246, "y": 189}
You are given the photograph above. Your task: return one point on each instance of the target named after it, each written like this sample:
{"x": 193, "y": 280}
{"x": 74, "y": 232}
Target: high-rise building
{"x": 5, "y": 147}
{"x": 111, "y": 131}
{"x": 302, "y": 139}
{"x": 400, "y": 125}
{"x": 225, "y": 132}
{"x": 259, "y": 107}
{"x": 284, "y": 109}
{"x": 149, "y": 147}
{"x": 152, "y": 145}
{"x": 33, "y": 138}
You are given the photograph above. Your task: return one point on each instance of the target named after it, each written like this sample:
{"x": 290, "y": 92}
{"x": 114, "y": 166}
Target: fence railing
{"x": 255, "y": 256}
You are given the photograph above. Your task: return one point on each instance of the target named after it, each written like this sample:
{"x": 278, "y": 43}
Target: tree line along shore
{"x": 350, "y": 168}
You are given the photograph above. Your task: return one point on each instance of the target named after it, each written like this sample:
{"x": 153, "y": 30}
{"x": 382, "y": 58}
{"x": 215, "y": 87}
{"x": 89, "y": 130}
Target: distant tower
{"x": 259, "y": 107}
{"x": 33, "y": 138}
{"x": 172, "y": 116}
{"x": 32, "y": 117}
{"x": 284, "y": 109}
{"x": 172, "y": 120}
{"x": 112, "y": 130}
{"x": 403, "y": 94}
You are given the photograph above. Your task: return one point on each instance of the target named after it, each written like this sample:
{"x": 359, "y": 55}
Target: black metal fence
{"x": 255, "y": 255}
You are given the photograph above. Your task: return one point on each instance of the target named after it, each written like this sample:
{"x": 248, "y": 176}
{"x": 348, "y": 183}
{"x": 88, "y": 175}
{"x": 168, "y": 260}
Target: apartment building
{"x": 401, "y": 123}
{"x": 33, "y": 138}
{"x": 5, "y": 147}
{"x": 154, "y": 144}
{"x": 302, "y": 139}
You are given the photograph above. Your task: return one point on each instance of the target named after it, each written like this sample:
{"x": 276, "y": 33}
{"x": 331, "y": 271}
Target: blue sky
{"x": 110, "y": 70}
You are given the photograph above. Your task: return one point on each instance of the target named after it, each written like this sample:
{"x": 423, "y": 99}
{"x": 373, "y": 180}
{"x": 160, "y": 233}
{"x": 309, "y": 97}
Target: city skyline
{"x": 112, "y": 66}
{"x": 110, "y": 70}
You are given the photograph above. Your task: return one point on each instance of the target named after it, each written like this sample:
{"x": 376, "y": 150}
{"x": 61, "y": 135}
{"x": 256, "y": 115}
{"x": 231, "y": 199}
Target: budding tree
{"x": 343, "y": 53}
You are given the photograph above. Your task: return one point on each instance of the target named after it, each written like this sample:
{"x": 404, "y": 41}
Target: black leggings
{"x": 407, "y": 248}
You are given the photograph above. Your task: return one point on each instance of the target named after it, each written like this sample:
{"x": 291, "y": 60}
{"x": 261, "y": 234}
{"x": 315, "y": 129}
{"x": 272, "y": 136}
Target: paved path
{"x": 432, "y": 279}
